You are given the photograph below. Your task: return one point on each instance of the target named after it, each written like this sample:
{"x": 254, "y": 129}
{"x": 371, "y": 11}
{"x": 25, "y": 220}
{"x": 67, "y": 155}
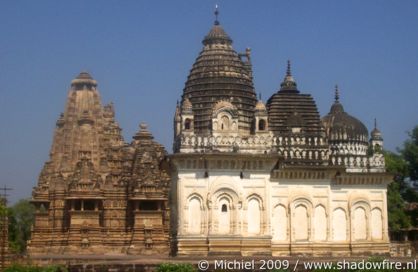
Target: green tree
{"x": 410, "y": 153}
{"x": 21, "y": 217}
{"x": 402, "y": 166}
{"x": 396, "y": 205}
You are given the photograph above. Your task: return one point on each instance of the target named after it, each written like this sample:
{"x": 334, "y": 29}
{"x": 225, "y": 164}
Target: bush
{"x": 175, "y": 268}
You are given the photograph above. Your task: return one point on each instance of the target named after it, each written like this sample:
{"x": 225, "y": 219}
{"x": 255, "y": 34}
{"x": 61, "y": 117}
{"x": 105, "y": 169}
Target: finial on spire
{"x": 289, "y": 71}
{"x": 375, "y": 123}
{"x": 337, "y": 94}
{"x": 143, "y": 126}
{"x": 216, "y": 14}
{"x": 259, "y": 96}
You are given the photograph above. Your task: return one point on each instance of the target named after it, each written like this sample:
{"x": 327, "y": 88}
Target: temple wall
{"x": 285, "y": 216}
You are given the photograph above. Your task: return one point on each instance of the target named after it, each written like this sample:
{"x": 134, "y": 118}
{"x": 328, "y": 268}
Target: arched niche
{"x": 339, "y": 225}
{"x": 254, "y": 216}
{"x": 320, "y": 223}
{"x": 195, "y": 216}
{"x": 359, "y": 223}
{"x": 280, "y": 223}
{"x": 301, "y": 222}
{"x": 377, "y": 224}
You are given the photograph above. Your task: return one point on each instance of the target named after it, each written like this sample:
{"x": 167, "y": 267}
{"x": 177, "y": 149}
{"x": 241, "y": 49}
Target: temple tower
{"x": 98, "y": 194}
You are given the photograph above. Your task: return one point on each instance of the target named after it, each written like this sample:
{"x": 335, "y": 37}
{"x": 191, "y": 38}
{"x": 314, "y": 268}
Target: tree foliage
{"x": 396, "y": 206}
{"x": 21, "y": 218}
{"x": 410, "y": 153}
{"x": 402, "y": 166}
{"x": 170, "y": 267}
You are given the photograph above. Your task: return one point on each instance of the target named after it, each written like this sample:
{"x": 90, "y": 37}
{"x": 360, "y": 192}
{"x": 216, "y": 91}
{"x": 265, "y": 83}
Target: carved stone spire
{"x": 85, "y": 126}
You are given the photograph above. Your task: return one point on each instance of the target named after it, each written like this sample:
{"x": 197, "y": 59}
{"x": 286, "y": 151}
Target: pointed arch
{"x": 360, "y": 214}
{"x": 280, "y": 223}
{"x": 301, "y": 214}
{"x": 195, "y": 215}
{"x": 254, "y": 216}
{"x": 320, "y": 223}
{"x": 359, "y": 224}
{"x": 339, "y": 225}
{"x": 377, "y": 224}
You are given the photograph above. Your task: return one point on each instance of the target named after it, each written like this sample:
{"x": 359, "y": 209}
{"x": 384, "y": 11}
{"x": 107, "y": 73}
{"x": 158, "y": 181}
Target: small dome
{"x": 339, "y": 125}
{"x": 260, "y": 106}
{"x": 376, "y": 134}
{"x": 336, "y": 108}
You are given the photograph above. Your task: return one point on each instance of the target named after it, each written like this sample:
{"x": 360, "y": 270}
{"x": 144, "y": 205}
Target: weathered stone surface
{"x": 98, "y": 194}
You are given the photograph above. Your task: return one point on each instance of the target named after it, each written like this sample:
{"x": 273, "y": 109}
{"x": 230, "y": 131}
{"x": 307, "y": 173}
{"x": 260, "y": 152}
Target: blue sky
{"x": 140, "y": 52}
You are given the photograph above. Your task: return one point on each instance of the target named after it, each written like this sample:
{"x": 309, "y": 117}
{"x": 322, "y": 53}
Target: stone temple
{"x": 245, "y": 177}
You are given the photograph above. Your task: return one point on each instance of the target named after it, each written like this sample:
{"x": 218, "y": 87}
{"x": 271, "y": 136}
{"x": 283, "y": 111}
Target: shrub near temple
{"x": 175, "y": 268}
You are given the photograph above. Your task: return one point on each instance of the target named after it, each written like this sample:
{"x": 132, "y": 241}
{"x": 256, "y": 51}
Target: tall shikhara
{"x": 98, "y": 193}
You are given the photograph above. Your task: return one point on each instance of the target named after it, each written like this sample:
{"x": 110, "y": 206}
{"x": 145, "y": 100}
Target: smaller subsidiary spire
{"x": 376, "y": 134}
{"x": 289, "y": 83}
{"x": 337, "y": 94}
{"x": 337, "y": 107}
{"x": 216, "y": 14}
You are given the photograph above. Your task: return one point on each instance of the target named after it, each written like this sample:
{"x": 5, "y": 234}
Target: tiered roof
{"x": 289, "y": 108}
{"x": 219, "y": 74}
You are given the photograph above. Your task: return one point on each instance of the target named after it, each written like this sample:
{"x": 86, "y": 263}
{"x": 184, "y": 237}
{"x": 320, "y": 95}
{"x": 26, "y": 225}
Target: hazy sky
{"x": 140, "y": 52}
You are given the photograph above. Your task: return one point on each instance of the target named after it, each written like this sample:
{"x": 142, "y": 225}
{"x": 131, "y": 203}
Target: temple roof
{"x": 337, "y": 121}
{"x": 289, "y": 108}
{"x": 219, "y": 74}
